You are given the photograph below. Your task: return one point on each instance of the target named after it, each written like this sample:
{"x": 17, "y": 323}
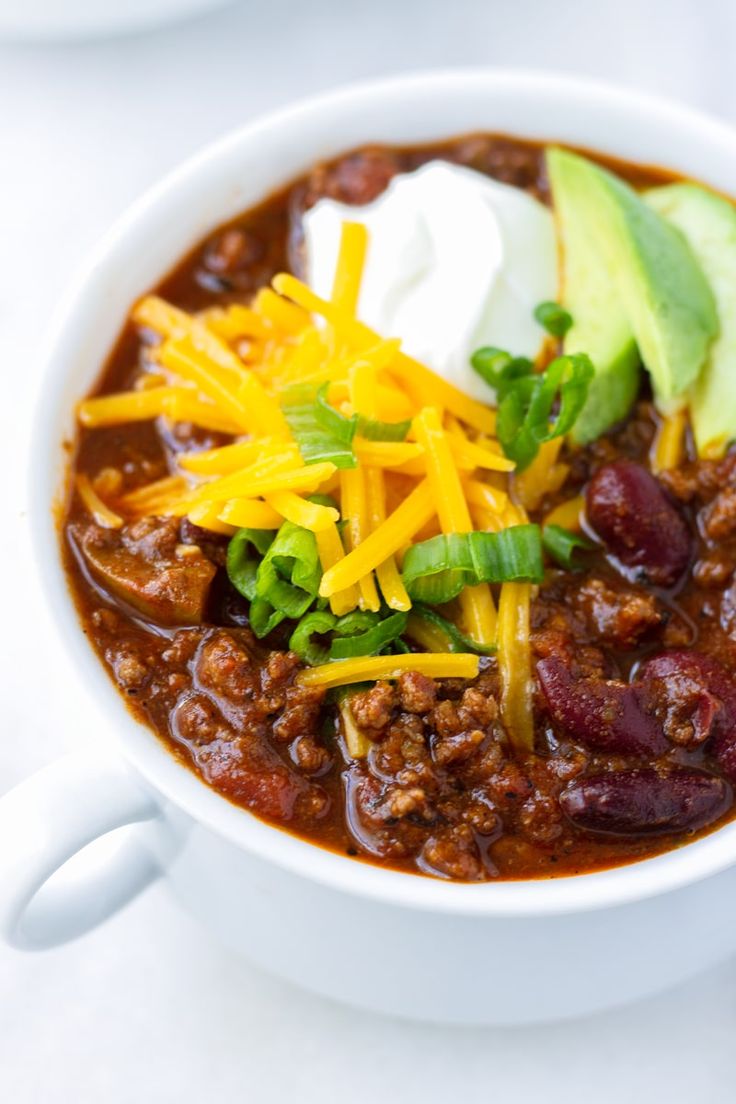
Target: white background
{"x": 148, "y": 1008}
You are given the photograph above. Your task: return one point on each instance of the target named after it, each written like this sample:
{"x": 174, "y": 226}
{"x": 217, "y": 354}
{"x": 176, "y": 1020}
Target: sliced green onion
{"x": 286, "y": 580}
{"x": 372, "y": 429}
{"x": 360, "y": 633}
{"x": 499, "y": 369}
{"x": 526, "y": 398}
{"x": 554, "y": 318}
{"x": 289, "y": 574}
{"x": 242, "y": 569}
{"x": 263, "y": 618}
{"x": 316, "y": 623}
{"x": 241, "y": 565}
{"x": 567, "y": 377}
{"x": 457, "y": 641}
{"x": 342, "y": 428}
{"x": 562, "y": 544}
{"x": 320, "y": 431}
{"x": 436, "y": 570}
{"x": 525, "y": 419}
{"x": 356, "y": 637}
{"x": 357, "y": 621}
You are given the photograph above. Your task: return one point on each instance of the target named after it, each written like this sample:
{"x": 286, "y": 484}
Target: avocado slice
{"x": 644, "y": 273}
{"x": 709, "y": 224}
{"x": 600, "y": 326}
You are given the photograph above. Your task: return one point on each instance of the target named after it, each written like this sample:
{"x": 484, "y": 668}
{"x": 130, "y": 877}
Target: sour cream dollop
{"x": 455, "y": 261}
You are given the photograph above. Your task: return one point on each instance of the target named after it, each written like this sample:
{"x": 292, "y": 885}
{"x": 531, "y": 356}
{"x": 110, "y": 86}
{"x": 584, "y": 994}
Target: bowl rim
{"x": 179, "y": 785}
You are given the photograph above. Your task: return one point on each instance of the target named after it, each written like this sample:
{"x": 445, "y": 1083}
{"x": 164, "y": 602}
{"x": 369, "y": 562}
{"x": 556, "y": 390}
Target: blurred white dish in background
{"x": 454, "y": 261}
{"x": 70, "y": 19}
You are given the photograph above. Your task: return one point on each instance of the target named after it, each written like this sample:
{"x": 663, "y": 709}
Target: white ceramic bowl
{"x": 493, "y": 953}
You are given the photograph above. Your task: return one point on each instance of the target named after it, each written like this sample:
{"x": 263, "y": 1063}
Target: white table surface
{"x": 148, "y": 1008}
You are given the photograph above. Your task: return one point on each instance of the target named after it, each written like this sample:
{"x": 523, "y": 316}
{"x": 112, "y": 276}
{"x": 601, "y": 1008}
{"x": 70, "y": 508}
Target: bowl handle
{"x": 47, "y": 820}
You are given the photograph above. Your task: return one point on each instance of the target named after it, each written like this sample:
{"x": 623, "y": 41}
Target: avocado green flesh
{"x": 629, "y": 280}
{"x": 610, "y": 395}
{"x": 600, "y": 327}
{"x": 709, "y": 224}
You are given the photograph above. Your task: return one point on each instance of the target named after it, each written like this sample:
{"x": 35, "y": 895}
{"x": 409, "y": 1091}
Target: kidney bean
{"x": 357, "y": 178}
{"x": 603, "y": 714}
{"x": 233, "y": 250}
{"x": 645, "y": 802}
{"x": 700, "y": 688}
{"x": 638, "y": 523}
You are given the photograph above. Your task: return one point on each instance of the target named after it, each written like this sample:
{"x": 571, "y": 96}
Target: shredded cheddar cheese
{"x": 388, "y": 454}
{"x": 395, "y": 532}
{"x": 176, "y": 324}
{"x": 669, "y": 444}
{"x": 182, "y": 358}
{"x": 101, "y": 513}
{"x": 108, "y": 482}
{"x": 284, "y": 316}
{"x": 253, "y": 485}
{"x": 129, "y": 406}
{"x": 206, "y": 516}
{"x": 476, "y": 603}
{"x": 357, "y": 743}
{"x": 362, "y": 389}
{"x": 235, "y": 323}
{"x": 387, "y": 572}
{"x": 486, "y": 496}
{"x": 331, "y": 552}
{"x": 421, "y": 382}
{"x": 568, "y": 514}
{"x": 469, "y": 456}
{"x": 226, "y": 370}
{"x": 350, "y": 261}
{"x": 310, "y": 515}
{"x": 429, "y": 636}
{"x": 514, "y": 664}
{"x": 342, "y": 672}
{"x": 543, "y": 476}
{"x": 162, "y": 489}
{"x": 354, "y": 508}
{"x": 243, "y": 513}
{"x": 229, "y": 458}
